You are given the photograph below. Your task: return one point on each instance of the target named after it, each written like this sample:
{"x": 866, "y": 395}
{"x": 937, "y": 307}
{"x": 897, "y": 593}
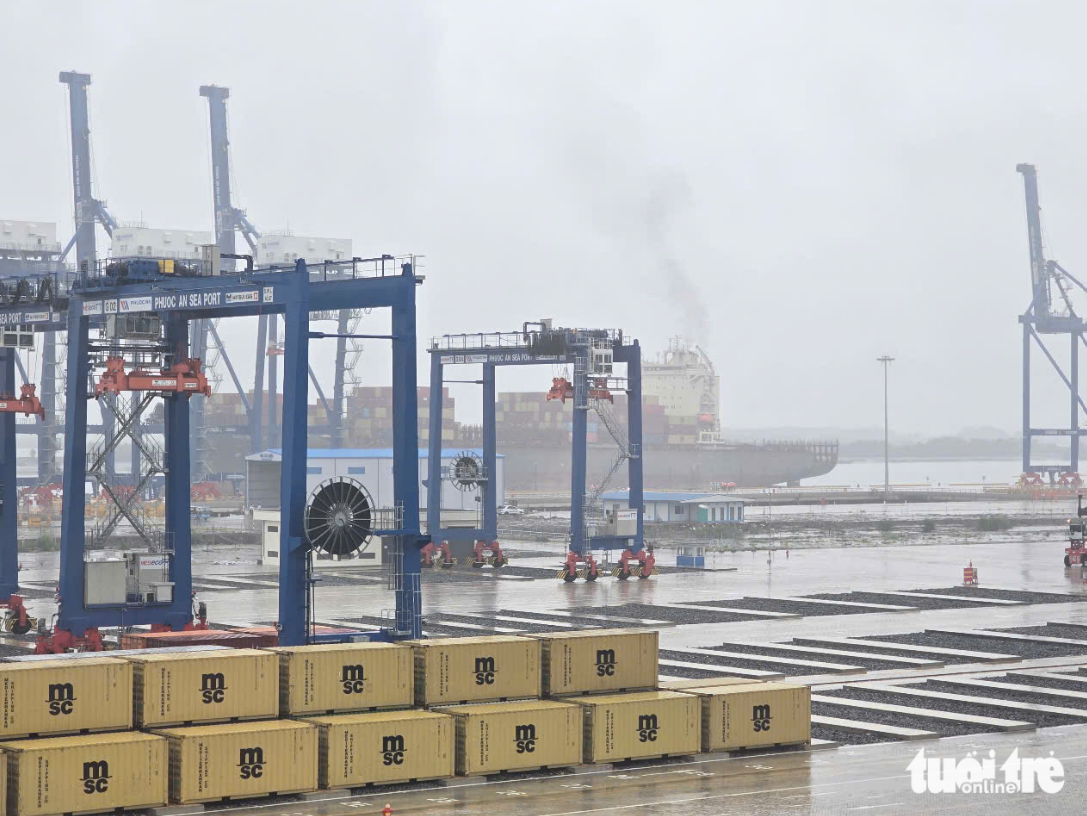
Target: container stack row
{"x": 142, "y": 728}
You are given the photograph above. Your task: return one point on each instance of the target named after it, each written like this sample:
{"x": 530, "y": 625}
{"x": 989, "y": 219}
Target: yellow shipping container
{"x": 705, "y": 683}
{"x": 344, "y": 677}
{"x": 191, "y": 687}
{"x": 753, "y": 715}
{"x": 235, "y": 760}
{"x": 383, "y": 747}
{"x": 61, "y": 696}
{"x": 87, "y": 774}
{"x": 598, "y": 660}
{"x": 639, "y": 725}
{"x": 461, "y": 670}
{"x": 496, "y": 737}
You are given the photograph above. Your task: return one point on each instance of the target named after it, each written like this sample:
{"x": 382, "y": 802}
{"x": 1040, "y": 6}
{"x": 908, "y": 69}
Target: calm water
{"x": 868, "y": 472}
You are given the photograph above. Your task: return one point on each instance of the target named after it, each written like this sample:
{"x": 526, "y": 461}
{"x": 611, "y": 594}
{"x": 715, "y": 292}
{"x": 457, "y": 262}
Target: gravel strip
{"x": 899, "y": 600}
{"x": 725, "y": 662}
{"x": 1051, "y": 630}
{"x": 548, "y": 617}
{"x": 1003, "y": 694}
{"x": 1044, "y": 682}
{"x": 889, "y": 650}
{"x": 1022, "y": 648}
{"x": 846, "y": 737}
{"x": 486, "y": 620}
{"x": 1040, "y": 719}
{"x": 665, "y": 613}
{"x": 444, "y": 631}
{"x": 698, "y": 674}
{"x": 791, "y": 607}
{"x": 945, "y": 728}
{"x": 1006, "y": 595}
{"x": 770, "y": 651}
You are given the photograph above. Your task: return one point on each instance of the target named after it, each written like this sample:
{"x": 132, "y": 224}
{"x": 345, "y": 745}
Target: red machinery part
{"x": 17, "y": 607}
{"x": 569, "y": 571}
{"x": 27, "y": 404}
{"x": 645, "y": 559}
{"x": 562, "y": 389}
{"x": 485, "y": 553}
{"x": 435, "y": 555}
{"x": 184, "y": 377}
{"x": 62, "y": 641}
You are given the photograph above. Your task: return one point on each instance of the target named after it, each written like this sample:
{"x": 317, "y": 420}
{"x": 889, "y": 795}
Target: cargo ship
{"x": 683, "y": 447}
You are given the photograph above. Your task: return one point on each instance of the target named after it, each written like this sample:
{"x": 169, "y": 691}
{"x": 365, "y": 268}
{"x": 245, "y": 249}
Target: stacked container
{"x": 240, "y": 760}
{"x": 193, "y": 687}
{"x": 496, "y": 737}
{"x": 753, "y": 715}
{"x": 383, "y": 747}
{"x": 459, "y": 670}
{"x": 87, "y": 774}
{"x": 344, "y": 677}
{"x": 65, "y": 696}
{"x": 641, "y": 725}
{"x": 603, "y": 660}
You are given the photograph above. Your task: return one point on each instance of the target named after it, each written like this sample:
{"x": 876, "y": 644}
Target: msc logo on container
{"x": 760, "y": 717}
{"x": 213, "y": 687}
{"x": 485, "y": 671}
{"x": 605, "y": 662}
{"x": 251, "y": 763}
{"x": 392, "y": 750}
{"x": 95, "y": 777}
{"x": 524, "y": 737}
{"x": 647, "y": 728}
{"x": 61, "y": 698}
{"x": 353, "y": 679}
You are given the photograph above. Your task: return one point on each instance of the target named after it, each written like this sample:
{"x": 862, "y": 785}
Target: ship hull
{"x": 671, "y": 467}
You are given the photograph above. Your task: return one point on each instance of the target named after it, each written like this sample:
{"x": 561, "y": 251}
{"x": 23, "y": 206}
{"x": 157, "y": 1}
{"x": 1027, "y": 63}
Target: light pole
{"x": 886, "y": 445}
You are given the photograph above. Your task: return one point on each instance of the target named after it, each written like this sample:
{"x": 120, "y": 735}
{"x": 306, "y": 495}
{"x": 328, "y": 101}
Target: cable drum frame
{"x": 339, "y": 518}
{"x": 467, "y": 471}
{"x": 347, "y": 504}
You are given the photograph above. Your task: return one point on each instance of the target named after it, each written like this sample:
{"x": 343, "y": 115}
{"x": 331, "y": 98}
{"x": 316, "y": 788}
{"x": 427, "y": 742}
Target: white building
{"x": 158, "y": 243}
{"x": 286, "y": 249}
{"x": 666, "y": 506}
{"x": 373, "y": 468}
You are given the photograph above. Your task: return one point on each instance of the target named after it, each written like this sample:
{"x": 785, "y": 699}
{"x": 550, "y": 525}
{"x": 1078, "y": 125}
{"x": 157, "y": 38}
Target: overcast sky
{"x": 799, "y": 186}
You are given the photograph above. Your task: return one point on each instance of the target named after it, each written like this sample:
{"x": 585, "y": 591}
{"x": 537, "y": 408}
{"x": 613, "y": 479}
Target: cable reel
{"x": 339, "y": 518}
{"x": 467, "y": 471}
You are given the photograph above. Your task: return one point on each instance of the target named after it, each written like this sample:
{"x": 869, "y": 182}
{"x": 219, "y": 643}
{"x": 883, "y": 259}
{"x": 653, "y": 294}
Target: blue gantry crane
{"x": 592, "y": 353}
{"x": 164, "y": 367}
{"x": 1051, "y": 312}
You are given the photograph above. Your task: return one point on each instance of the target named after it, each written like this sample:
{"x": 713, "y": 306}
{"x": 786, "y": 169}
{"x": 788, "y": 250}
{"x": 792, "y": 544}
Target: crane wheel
{"x": 623, "y": 574}
{"x": 498, "y": 563}
{"x": 1067, "y": 561}
{"x": 20, "y": 628}
{"x": 592, "y": 576}
{"x": 569, "y": 576}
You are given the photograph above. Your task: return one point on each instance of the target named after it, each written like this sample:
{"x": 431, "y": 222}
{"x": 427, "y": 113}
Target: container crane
{"x": 1047, "y": 315}
{"x": 89, "y": 212}
{"x": 230, "y": 220}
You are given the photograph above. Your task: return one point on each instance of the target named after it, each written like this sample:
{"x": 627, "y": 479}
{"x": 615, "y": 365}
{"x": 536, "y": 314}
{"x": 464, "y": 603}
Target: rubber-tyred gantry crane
{"x": 1051, "y": 312}
{"x": 592, "y": 353}
{"x": 176, "y": 301}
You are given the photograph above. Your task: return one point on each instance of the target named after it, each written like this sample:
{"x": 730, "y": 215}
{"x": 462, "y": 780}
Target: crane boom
{"x": 1042, "y": 298}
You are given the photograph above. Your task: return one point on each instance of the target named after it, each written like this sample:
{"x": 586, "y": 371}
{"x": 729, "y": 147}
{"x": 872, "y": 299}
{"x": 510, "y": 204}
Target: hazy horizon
{"x": 799, "y": 187}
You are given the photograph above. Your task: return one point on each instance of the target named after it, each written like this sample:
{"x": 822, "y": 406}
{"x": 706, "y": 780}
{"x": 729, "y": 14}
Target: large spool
{"x": 467, "y": 471}
{"x": 339, "y": 518}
